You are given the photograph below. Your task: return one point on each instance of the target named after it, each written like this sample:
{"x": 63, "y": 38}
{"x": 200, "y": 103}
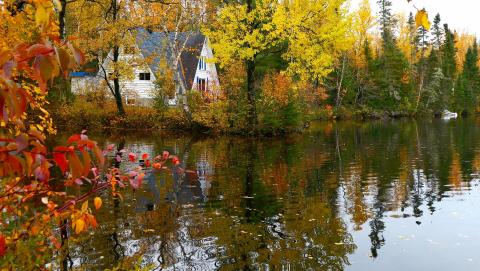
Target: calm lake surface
{"x": 386, "y": 195}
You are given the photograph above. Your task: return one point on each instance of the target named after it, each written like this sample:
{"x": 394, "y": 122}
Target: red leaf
{"x": 39, "y": 49}
{"x": 137, "y": 181}
{"x": 132, "y": 157}
{"x": 165, "y": 155}
{"x": 61, "y": 160}
{"x": 73, "y": 138}
{"x": 175, "y": 160}
{"x": 3, "y": 246}
{"x": 147, "y": 163}
{"x": 145, "y": 156}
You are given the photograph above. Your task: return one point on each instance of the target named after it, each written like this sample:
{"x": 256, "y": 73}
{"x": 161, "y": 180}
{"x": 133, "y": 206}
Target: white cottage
{"x": 194, "y": 71}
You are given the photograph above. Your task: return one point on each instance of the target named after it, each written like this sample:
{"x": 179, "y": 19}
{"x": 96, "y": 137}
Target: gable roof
{"x": 153, "y": 46}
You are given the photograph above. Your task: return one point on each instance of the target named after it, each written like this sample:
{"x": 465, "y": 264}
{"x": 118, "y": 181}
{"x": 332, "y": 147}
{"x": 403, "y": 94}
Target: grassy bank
{"x": 95, "y": 115}
{"x": 85, "y": 114}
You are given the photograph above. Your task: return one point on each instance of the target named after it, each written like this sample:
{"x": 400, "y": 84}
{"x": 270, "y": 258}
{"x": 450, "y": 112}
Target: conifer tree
{"x": 391, "y": 65}
{"x": 449, "y": 67}
{"x": 437, "y": 33}
{"x": 467, "y": 86}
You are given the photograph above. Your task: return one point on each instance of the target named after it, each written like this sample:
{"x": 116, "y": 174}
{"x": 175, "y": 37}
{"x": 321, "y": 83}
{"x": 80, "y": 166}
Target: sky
{"x": 461, "y": 15}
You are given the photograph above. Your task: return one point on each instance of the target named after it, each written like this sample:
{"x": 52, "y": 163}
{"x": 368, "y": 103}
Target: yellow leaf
{"x": 97, "y": 202}
{"x": 41, "y": 15}
{"x": 58, "y": 5}
{"x": 421, "y": 19}
{"x": 85, "y": 206}
{"x": 79, "y": 226}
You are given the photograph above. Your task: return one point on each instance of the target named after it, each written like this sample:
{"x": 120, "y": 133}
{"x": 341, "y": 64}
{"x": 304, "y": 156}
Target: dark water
{"x": 399, "y": 195}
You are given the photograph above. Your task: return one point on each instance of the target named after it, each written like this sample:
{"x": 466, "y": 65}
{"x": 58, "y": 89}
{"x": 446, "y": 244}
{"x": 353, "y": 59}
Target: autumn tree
{"x": 309, "y": 34}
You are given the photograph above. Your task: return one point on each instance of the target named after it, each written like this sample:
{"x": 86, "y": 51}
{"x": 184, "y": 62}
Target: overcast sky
{"x": 461, "y": 15}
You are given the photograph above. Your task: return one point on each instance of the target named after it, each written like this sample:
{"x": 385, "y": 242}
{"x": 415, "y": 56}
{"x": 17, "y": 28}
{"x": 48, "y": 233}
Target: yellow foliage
{"x": 463, "y": 41}
{"x": 421, "y": 19}
{"x": 316, "y": 33}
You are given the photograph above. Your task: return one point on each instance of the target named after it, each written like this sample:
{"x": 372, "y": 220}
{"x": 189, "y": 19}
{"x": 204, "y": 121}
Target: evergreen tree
{"x": 386, "y": 19}
{"x": 437, "y": 33}
{"x": 449, "y": 67}
{"x": 391, "y": 65}
{"x": 423, "y": 44}
{"x": 467, "y": 86}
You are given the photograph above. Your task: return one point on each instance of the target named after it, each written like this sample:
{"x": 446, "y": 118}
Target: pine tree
{"x": 391, "y": 65}
{"x": 467, "y": 85}
{"x": 422, "y": 34}
{"x": 437, "y": 33}
{"x": 449, "y": 67}
{"x": 386, "y": 20}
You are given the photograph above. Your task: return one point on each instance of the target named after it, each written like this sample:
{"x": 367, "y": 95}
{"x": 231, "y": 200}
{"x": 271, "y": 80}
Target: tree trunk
{"x": 251, "y": 95}
{"x": 61, "y": 19}
{"x": 252, "y": 114}
{"x": 116, "y": 75}
{"x": 340, "y": 83}
{"x": 116, "y": 82}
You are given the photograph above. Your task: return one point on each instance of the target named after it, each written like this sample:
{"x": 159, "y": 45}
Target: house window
{"x": 202, "y": 64}
{"x": 145, "y": 76}
{"x": 130, "y": 101}
{"x": 202, "y": 84}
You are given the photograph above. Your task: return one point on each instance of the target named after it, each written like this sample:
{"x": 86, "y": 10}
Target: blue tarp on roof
{"x": 81, "y": 74}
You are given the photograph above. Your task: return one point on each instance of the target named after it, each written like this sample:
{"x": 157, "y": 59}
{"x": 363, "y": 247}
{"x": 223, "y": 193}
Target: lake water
{"x": 385, "y": 195}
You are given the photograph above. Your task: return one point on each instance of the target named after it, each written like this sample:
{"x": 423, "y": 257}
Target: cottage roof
{"x": 154, "y": 46}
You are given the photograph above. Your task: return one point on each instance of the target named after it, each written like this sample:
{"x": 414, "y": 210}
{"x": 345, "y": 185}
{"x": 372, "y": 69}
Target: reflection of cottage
{"x": 204, "y": 169}
{"x": 194, "y": 71}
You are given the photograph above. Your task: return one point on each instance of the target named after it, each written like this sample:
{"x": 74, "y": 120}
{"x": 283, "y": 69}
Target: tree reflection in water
{"x": 282, "y": 203}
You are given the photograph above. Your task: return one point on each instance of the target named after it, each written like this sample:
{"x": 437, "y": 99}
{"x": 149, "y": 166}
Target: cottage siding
{"x": 210, "y": 72}
{"x": 136, "y": 88}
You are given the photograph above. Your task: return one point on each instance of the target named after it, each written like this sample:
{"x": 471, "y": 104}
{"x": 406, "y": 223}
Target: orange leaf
{"x": 92, "y": 221}
{"x": 86, "y": 163}
{"x": 63, "y": 59}
{"x": 75, "y": 165}
{"x": 79, "y": 225}
{"x": 97, "y": 201}
{"x": 77, "y": 54}
{"x": 39, "y": 49}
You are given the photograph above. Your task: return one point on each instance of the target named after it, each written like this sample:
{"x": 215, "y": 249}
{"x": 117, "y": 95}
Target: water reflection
{"x": 360, "y": 196}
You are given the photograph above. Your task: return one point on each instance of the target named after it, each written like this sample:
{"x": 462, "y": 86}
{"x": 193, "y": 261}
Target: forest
{"x": 281, "y": 65}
